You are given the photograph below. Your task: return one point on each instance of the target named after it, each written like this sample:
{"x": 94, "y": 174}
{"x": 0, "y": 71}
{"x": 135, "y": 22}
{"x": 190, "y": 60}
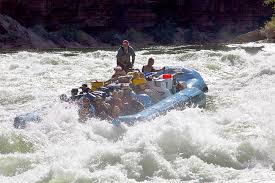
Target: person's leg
{"x": 128, "y": 68}
{"x": 122, "y": 66}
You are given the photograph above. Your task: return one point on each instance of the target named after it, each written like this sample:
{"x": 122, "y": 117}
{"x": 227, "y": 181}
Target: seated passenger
{"x": 138, "y": 82}
{"x": 116, "y": 111}
{"x": 124, "y": 79}
{"x": 118, "y": 72}
{"x": 141, "y": 75}
{"x": 130, "y": 105}
{"x": 86, "y": 110}
{"x": 180, "y": 86}
{"x": 116, "y": 100}
{"x": 120, "y": 94}
{"x": 119, "y": 76}
{"x": 102, "y": 109}
{"x": 74, "y": 95}
{"x": 85, "y": 89}
{"x": 149, "y": 67}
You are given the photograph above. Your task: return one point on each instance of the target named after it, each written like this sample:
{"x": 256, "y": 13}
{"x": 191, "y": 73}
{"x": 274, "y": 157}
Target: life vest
{"x": 138, "y": 81}
{"x": 96, "y": 84}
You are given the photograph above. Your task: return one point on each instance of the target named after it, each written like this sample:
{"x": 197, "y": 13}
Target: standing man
{"x": 123, "y": 56}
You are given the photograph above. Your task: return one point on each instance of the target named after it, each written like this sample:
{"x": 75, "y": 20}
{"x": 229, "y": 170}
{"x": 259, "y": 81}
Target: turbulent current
{"x": 231, "y": 140}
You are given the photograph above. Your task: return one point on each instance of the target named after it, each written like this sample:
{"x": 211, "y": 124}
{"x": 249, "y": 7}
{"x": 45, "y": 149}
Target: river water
{"x": 231, "y": 140}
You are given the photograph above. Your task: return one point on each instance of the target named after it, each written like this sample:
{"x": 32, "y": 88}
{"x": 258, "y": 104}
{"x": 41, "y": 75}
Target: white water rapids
{"x": 232, "y": 140}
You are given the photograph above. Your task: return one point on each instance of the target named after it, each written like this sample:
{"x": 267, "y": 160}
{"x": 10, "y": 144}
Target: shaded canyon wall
{"x": 215, "y": 17}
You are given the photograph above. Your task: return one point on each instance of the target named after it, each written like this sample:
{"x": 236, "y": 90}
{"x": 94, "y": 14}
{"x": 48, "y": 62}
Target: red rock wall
{"x": 231, "y": 15}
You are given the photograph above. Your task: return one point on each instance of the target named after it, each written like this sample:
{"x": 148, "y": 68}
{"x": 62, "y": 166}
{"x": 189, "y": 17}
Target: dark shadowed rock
{"x": 182, "y": 36}
{"x": 85, "y": 39}
{"x": 110, "y": 20}
{"x": 14, "y": 35}
{"x": 252, "y": 36}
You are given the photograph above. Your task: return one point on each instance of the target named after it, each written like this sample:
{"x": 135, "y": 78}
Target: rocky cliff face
{"x": 204, "y": 19}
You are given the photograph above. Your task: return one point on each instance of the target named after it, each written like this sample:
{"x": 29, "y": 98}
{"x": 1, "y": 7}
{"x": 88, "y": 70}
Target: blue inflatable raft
{"x": 192, "y": 96}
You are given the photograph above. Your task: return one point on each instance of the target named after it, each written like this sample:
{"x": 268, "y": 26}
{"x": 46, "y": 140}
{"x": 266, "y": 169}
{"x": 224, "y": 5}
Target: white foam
{"x": 230, "y": 141}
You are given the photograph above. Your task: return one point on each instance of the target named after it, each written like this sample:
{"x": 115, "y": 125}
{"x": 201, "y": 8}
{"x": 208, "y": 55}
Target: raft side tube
{"x": 188, "y": 75}
{"x": 191, "y": 97}
{"x": 21, "y": 120}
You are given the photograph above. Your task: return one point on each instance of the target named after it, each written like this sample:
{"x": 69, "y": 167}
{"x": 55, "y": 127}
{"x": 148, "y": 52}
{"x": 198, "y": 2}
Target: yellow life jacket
{"x": 96, "y": 84}
{"x": 138, "y": 81}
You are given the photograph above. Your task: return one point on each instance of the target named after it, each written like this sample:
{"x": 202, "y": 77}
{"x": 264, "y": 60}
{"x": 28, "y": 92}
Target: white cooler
{"x": 164, "y": 83}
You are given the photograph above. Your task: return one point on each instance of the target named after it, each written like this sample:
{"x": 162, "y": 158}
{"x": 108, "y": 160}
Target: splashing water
{"x": 231, "y": 140}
